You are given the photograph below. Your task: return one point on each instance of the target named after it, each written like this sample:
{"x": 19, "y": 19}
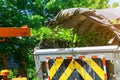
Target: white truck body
{"x": 109, "y": 52}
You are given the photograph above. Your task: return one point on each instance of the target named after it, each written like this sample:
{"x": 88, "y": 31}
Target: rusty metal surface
{"x": 84, "y": 19}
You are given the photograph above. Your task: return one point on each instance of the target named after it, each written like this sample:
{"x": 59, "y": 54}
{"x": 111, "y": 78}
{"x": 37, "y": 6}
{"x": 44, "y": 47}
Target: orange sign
{"x": 14, "y": 32}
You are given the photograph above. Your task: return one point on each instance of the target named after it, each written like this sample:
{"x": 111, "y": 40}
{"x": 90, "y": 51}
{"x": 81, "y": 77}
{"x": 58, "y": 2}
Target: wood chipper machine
{"x": 82, "y": 63}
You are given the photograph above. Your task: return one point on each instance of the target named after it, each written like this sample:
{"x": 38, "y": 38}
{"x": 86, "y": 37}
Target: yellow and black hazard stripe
{"x": 76, "y": 69}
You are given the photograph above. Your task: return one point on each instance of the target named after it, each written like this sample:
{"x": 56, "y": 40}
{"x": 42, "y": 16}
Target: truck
{"x": 80, "y": 63}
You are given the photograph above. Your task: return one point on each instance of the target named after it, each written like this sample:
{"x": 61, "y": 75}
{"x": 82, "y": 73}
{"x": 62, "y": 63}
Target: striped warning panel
{"x": 81, "y": 68}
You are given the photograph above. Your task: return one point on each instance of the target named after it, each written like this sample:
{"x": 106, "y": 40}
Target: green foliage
{"x": 59, "y": 37}
{"x": 35, "y": 12}
{"x": 35, "y": 21}
{"x": 114, "y": 21}
{"x": 115, "y": 4}
{"x": 57, "y": 33}
{"x": 101, "y": 4}
{"x": 16, "y": 13}
{"x": 42, "y": 33}
{"x": 53, "y": 36}
{"x": 63, "y": 34}
{"x": 53, "y": 6}
{"x": 11, "y": 74}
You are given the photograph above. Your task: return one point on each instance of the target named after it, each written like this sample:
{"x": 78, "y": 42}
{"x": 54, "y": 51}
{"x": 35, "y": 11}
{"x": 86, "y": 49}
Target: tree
{"x": 115, "y": 4}
{"x": 16, "y": 13}
{"x": 53, "y": 6}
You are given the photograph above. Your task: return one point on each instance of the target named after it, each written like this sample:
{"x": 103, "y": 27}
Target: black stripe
{"x": 99, "y": 62}
{"x": 61, "y": 70}
{"x": 88, "y": 69}
{"x": 75, "y": 76}
{"x": 51, "y": 62}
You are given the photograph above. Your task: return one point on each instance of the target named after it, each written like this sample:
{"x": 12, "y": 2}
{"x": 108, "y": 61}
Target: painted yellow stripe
{"x": 71, "y": 68}
{"x": 54, "y": 67}
{"x": 82, "y": 72}
{"x": 95, "y": 67}
{"x": 67, "y": 72}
